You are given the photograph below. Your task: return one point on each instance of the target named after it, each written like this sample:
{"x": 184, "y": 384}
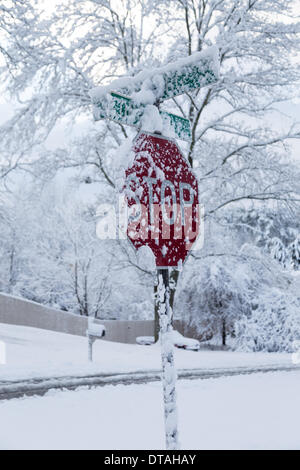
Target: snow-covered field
{"x": 260, "y": 411}
{"x": 32, "y": 352}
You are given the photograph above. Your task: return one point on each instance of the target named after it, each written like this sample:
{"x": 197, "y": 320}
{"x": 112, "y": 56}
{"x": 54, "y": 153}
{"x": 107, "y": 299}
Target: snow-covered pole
{"x": 169, "y": 374}
{"x": 90, "y": 348}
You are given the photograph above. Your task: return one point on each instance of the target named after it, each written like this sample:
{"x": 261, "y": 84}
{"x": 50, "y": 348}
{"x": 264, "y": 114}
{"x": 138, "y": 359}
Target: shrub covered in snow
{"x": 274, "y": 324}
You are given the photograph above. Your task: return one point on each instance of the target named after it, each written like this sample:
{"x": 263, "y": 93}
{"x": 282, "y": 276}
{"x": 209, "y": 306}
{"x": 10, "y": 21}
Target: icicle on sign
{"x": 163, "y": 200}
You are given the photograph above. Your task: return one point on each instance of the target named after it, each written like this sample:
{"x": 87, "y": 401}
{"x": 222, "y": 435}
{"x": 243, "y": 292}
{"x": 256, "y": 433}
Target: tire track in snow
{"x": 40, "y": 386}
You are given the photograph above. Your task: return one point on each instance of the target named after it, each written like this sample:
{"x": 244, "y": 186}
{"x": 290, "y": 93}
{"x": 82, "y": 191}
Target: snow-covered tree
{"x": 294, "y": 253}
{"x": 213, "y": 295}
{"x": 278, "y": 250}
{"x": 274, "y": 324}
{"x": 237, "y": 154}
{"x": 20, "y": 15}
{"x": 50, "y": 254}
{"x": 274, "y": 229}
{"x": 53, "y": 59}
{"x": 7, "y": 251}
{"x": 240, "y": 293}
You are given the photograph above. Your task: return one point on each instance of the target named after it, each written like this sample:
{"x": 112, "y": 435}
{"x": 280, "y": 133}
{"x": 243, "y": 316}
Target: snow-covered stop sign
{"x": 163, "y": 200}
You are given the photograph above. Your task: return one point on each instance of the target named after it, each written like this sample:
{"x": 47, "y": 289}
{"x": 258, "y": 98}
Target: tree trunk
{"x": 156, "y": 313}
{"x": 11, "y": 269}
{"x": 223, "y": 332}
{"x": 174, "y": 276}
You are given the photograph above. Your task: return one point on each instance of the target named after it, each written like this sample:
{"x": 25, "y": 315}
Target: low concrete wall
{"x": 17, "y": 311}
{"x": 124, "y": 331}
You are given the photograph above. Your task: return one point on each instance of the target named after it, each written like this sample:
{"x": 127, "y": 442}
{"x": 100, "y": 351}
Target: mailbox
{"x": 94, "y": 331}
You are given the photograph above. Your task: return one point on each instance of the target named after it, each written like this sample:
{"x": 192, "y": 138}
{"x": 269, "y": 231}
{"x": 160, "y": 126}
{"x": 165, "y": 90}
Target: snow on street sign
{"x": 119, "y": 108}
{"x": 187, "y": 78}
{"x": 125, "y": 99}
{"x": 189, "y": 73}
{"x": 186, "y": 74}
{"x": 162, "y": 195}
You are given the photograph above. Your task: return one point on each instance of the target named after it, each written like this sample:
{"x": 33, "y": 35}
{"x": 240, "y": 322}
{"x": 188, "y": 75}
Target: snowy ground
{"x": 38, "y": 353}
{"x": 246, "y": 412}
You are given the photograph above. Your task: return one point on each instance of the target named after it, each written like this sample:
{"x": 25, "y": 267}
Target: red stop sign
{"x": 163, "y": 200}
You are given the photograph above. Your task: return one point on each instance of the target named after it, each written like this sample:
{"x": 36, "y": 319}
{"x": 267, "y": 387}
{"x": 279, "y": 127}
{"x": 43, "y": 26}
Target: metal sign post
{"x": 169, "y": 374}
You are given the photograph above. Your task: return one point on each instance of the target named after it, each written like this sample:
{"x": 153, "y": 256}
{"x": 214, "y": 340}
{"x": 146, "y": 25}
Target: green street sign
{"x": 190, "y": 78}
{"x": 185, "y": 75}
{"x": 153, "y": 86}
{"x": 123, "y": 109}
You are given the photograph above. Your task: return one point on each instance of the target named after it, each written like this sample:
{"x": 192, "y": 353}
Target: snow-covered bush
{"x": 244, "y": 295}
{"x": 274, "y": 324}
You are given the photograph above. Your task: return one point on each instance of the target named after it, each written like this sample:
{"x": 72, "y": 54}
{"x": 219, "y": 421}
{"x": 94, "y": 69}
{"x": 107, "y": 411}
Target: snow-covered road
{"x": 40, "y": 386}
{"x": 258, "y": 411}
{"x": 32, "y": 353}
